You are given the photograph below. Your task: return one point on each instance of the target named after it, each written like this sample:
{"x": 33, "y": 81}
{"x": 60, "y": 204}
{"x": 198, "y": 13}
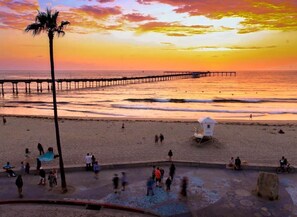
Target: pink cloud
{"x": 105, "y": 1}
{"x": 137, "y": 17}
{"x": 98, "y": 12}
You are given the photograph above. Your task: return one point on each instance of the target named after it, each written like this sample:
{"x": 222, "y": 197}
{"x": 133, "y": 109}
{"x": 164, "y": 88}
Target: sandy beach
{"x": 256, "y": 142}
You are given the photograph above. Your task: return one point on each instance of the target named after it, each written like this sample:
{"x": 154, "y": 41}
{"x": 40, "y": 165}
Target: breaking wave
{"x": 215, "y": 100}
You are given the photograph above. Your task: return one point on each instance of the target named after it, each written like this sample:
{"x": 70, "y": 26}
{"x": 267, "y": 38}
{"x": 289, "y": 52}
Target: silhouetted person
{"x": 168, "y": 183}
{"x": 115, "y": 182}
{"x": 27, "y": 168}
{"x": 283, "y": 162}
{"x": 123, "y": 126}
{"x": 172, "y": 171}
{"x": 184, "y": 187}
{"x": 161, "y": 138}
{"x": 38, "y": 165}
{"x": 237, "y": 164}
{"x": 40, "y": 149}
{"x": 19, "y": 184}
{"x": 4, "y": 120}
{"x": 156, "y": 138}
{"x": 27, "y": 152}
{"x": 170, "y": 154}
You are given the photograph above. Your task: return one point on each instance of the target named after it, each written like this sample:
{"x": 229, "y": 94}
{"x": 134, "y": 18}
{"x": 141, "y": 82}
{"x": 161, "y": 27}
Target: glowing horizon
{"x": 154, "y": 35}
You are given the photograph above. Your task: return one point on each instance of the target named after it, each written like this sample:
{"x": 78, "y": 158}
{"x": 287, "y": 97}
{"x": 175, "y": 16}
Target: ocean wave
{"x": 215, "y": 100}
{"x": 142, "y": 107}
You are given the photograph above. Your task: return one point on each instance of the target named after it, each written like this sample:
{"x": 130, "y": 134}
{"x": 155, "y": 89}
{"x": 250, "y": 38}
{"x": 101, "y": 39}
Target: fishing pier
{"x": 80, "y": 83}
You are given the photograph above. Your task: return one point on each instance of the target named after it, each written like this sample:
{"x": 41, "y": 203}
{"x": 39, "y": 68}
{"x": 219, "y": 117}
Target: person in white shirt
{"x": 88, "y": 159}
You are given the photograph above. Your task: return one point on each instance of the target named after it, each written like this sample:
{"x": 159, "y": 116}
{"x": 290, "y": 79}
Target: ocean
{"x": 267, "y": 95}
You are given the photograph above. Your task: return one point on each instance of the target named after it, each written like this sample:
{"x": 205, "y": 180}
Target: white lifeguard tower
{"x": 206, "y": 129}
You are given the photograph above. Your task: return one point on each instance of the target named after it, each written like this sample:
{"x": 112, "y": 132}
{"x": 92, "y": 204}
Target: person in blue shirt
{"x": 8, "y": 169}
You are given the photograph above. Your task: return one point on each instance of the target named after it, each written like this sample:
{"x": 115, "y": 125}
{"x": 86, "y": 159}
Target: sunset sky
{"x": 154, "y": 35}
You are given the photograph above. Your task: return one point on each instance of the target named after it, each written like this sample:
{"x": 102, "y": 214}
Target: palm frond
{"x": 41, "y": 18}
{"x": 60, "y": 33}
{"x": 35, "y": 28}
{"x": 47, "y": 21}
{"x": 64, "y": 23}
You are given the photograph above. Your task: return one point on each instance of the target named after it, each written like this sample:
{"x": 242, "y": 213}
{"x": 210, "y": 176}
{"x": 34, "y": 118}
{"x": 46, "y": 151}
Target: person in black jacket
{"x": 19, "y": 184}
{"x": 237, "y": 164}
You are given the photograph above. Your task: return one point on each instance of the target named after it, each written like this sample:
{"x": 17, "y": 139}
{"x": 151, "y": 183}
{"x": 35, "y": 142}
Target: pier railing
{"x": 79, "y": 83}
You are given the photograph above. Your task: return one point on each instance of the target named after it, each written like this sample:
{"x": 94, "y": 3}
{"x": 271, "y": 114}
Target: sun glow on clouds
{"x": 159, "y": 34}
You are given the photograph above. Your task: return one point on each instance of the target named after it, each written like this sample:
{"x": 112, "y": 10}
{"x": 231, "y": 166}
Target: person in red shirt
{"x": 158, "y": 177}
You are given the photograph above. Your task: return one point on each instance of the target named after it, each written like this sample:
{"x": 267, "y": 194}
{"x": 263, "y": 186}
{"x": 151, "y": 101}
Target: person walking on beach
{"x": 27, "y": 153}
{"x": 170, "y": 154}
{"x": 251, "y": 116}
{"x": 172, "y": 171}
{"x": 161, "y": 138}
{"x": 88, "y": 160}
{"x": 19, "y": 183}
{"x": 115, "y": 182}
{"x": 40, "y": 149}
{"x": 4, "y": 120}
{"x": 124, "y": 181}
{"x": 156, "y": 139}
{"x": 96, "y": 169}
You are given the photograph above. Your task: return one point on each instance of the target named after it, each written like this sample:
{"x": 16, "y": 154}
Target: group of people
{"x": 234, "y": 164}
{"x": 156, "y": 180}
{"x": 52, "y": 178}
{"x": 157, "y": 138}
{"x": 116, "y": 182}
{"x": 92, "y": 164}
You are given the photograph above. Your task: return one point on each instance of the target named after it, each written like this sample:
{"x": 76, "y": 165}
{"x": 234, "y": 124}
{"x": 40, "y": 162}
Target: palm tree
{"x": 47, "y": 22}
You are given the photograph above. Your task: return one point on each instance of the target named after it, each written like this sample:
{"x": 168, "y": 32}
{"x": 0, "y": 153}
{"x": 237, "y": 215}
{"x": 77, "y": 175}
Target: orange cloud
{"x": 173, "y": 29}
{"x": 177, "y": 29}
{"x": 214, "y": 48}
{"x": 258, "y": 15}
{"x": 137, "y": 17}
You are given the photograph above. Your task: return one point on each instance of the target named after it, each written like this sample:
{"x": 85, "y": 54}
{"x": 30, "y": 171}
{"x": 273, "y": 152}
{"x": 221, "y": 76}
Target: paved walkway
{"x": 212, "y": 192}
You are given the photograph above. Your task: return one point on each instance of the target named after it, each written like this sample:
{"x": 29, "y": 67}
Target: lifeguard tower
{"x": 206, "y": 129}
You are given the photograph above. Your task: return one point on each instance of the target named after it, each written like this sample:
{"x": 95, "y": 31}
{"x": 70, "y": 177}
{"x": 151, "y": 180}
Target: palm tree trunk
{"x": 62, "y": 171}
